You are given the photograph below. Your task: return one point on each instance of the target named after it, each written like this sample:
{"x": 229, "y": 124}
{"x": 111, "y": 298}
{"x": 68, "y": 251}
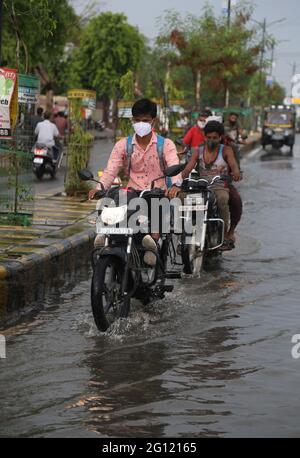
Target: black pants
{"x": 55, "y": 151}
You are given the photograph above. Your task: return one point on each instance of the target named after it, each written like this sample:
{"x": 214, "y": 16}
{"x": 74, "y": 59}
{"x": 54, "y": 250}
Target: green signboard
{"x": 29, "y": 89}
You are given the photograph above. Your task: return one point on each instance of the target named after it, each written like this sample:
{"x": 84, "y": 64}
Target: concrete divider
{"x": 27, "y": 280}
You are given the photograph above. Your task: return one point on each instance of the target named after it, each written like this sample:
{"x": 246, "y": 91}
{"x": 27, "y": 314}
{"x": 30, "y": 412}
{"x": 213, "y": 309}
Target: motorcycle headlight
{"x": 287, "y": 132}
{"x": 269, "y": 132}
{"x": 113, "y": 215}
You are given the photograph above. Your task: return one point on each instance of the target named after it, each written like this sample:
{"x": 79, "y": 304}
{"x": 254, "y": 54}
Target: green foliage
{"x": 127, "y": 86}
{"x": 261, "y": 95}
{"x": 109, "y": 47}
{"x": 35, "y": 33}
{"x": 78, "y": 159}
{"x": 207, "y": 56}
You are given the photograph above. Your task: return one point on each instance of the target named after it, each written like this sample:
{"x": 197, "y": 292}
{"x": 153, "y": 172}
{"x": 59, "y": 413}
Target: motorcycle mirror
{"x": 174, "y": 170}
{"x": 85, "y": 175}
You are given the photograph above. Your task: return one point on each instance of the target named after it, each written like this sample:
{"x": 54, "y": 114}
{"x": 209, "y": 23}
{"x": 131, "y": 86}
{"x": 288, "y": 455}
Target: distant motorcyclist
{"x": 47, "y": 132}
{"x": 195, "y": 136}
{"x": 61, "y": 123}
{"x": 233, "y": 127}
{"x": 35, "y": 119}
{"x": 234, "y": 134}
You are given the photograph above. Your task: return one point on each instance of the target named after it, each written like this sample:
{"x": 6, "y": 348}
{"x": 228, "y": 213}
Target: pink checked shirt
{"x": 145, "y": 166}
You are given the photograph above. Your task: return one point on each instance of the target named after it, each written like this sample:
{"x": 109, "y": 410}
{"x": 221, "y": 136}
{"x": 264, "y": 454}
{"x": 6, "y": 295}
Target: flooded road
{"x": 212, "y": 359}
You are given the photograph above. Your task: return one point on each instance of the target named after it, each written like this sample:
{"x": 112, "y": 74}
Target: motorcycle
{"x": 205, "y": 233}
{"x": 43, "y": 161}
{"x": 119, "y": 271}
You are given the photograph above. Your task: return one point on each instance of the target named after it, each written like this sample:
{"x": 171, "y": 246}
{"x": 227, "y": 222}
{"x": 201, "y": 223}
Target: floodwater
{"x": 211, "y": 360}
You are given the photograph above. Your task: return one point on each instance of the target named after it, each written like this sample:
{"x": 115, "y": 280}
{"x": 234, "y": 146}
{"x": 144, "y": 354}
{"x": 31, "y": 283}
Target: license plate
{"x": 196, "y": 208}
{"x": 38, "y": 160}
{"x": 114, "y": 230}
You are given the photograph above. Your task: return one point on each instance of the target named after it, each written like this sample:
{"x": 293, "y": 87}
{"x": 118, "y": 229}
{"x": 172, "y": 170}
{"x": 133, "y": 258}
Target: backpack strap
{"x": 129, "y": 151}
{"x": 162, "y": 162}
{"x": 160, "y": 152}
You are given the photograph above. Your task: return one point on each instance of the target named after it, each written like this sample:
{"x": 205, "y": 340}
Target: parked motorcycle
{"x": 43, "y": 160}
{"x": 205, "y": 233}
{"x": 119, "y": 271}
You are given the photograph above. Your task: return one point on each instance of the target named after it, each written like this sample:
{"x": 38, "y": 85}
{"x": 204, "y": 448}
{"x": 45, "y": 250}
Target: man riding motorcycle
{"x": 47, "y": 132}
{"x": 195, "y": 136}
{"x": 213, "y": 159}
{"x": 141, "y": 156}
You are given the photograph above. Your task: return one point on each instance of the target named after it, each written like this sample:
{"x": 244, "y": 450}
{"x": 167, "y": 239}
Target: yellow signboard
{"x": 81, "y": 94}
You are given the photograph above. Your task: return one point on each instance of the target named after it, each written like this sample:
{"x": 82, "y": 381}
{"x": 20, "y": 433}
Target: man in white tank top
{"x": 214, "y": 159}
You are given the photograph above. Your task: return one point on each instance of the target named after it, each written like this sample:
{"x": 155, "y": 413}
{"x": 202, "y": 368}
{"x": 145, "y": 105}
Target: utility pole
{"x": 263, "y": 46}
{"x": 1, "y": 25}
{"x": 229, "y": 14}
{"x": 293, "y": 74}
{"x": 272, "y": 57}
{"x": 227, "y": 96}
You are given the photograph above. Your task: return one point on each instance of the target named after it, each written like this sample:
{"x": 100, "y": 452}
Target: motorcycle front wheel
{"x": 106, "y": 293}
{"x": 191, "y": 260}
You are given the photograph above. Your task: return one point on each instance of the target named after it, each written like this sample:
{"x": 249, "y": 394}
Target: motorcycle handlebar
{"x": 152, "y": 193}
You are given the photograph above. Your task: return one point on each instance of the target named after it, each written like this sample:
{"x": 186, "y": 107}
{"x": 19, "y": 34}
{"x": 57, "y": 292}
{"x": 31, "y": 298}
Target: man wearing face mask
{"x": 195, "y": 136}
{"x": 210, "y": 160}
{"x": 140, "y": 156}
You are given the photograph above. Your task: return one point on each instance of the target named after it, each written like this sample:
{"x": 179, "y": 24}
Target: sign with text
{"x": 8, "y": 101}
{"x": 29, "y": 89}
{"x": 87, "y": 102}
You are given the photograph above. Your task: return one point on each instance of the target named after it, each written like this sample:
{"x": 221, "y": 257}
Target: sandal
{"x": 228, "y": 245}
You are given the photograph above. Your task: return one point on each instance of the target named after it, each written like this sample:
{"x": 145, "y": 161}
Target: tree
{"x": 109, "y": 47}
{"x": 36, "y": 32}
{"x": 270, "y": 95}
{"x": 216, "y": 56}
{"x": 35, "y": 38}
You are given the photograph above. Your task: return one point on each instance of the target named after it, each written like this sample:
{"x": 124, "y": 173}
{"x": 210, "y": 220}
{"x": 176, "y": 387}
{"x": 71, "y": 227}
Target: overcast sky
{"x": 143, "y": 13}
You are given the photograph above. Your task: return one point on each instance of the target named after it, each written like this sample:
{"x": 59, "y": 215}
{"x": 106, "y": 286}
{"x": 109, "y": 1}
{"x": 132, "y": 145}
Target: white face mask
{"x": 201, "y": 124}
{"x": 142, "y": 128}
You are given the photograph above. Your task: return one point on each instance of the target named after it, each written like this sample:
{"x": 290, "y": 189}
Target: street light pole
{"x": 264, "y": 26}
{"x": 272, "y": 57}
{"x": 263, "y": 45}
{"x": 229, "y": 13}
{"x": 227, "y": 96}
{"x": 294, "y": 73}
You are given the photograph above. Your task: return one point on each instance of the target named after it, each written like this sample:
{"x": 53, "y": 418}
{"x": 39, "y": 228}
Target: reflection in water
{"x": 276, "y": 162}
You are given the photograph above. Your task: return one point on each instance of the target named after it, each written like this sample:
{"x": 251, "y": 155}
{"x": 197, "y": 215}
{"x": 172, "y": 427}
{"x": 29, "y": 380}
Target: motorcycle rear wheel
{"x": 107, "y": 302}
{"x": 39, "y": 173}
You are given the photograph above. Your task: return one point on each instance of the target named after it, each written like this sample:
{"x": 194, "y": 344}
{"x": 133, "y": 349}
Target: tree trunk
{"x": 227, "y": 94}
{"x": 49, "y": 100}
{"x": 198, "y": 89}
{"x": 167, "y": 85}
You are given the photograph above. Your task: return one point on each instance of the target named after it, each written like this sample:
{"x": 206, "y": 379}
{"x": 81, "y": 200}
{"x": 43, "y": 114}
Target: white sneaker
{"x": 99, "y": 241}
{"x": 150, "y": 256}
